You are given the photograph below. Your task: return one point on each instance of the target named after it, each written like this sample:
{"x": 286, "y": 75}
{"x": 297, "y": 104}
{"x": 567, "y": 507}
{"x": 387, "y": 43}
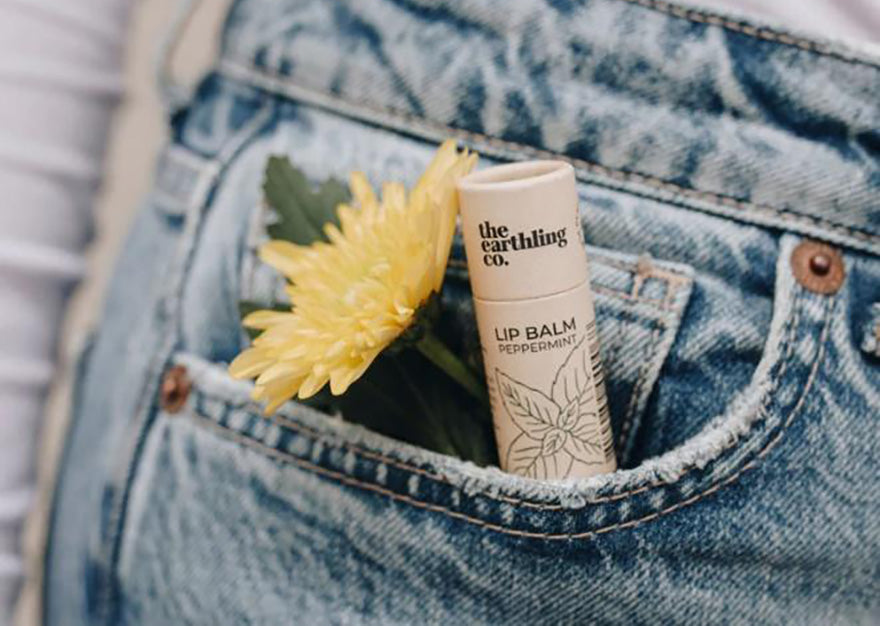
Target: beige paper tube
{"x": 534, "y": 307}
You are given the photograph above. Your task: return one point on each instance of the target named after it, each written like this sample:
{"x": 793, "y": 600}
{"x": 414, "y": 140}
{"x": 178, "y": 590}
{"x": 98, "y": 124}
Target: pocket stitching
{"x": 648, "y": 357}
{"x": 354, "y": 448}
{"x": 755, "y": 32}
{"x": 626, "y": 297}
{"x": 668, "y": 304}
{"x": 351, "y": 481}
{"x": 673, "y": 282}
{"x": 317, "y": 98}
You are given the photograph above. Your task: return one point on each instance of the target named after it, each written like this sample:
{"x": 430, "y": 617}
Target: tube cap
{"x": 522, "y": 233}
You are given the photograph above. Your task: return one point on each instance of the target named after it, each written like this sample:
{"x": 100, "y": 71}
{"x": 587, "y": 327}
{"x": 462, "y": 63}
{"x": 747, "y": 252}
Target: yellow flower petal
{"x": 261, "y": 320}
{"x": 356, "y": 294}
{"x": 312, "y": 385}
{"x": 282, "y": 255}
{"x": 361, "y": 190}
{"x": 249, "y": 363}
{"x": 277, "y": 394}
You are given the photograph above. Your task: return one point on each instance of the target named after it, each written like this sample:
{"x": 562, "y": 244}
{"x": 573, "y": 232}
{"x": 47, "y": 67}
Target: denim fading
{"x": 744, "y": 405}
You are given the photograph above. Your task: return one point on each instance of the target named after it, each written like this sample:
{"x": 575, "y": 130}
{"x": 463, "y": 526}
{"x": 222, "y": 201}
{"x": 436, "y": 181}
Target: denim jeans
{"x": 744, "y": 382}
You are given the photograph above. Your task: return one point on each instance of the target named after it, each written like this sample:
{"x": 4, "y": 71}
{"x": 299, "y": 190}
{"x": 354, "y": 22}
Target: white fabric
{"x": 60, "y": 78}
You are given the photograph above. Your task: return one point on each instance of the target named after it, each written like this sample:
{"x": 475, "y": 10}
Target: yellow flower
{"x": 354, "y": 295}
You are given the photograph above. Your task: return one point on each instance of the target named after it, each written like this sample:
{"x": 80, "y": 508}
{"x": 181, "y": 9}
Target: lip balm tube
{"x": 535, "y": 316}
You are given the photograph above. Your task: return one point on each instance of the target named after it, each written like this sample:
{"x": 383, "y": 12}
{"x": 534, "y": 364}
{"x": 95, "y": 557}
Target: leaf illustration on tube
{"x": 553, "y": 441}
{"x": 569, "y": 415}
{"x": 573, "y": 380}
{"x": 526, "y": 457}
{"x": 574, "y": 389}
{"x": 532, "y": 411}
{"x": 583, "y": 442}
{"x": 556, "y": 430}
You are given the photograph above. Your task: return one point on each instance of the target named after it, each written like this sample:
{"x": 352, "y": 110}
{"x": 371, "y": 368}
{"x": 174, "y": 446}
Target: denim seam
{"x": 169, "y": 303}
{"x": 767, "y": 34}
{"x": 620, "y": 295}
{"x": 672, "y": 291}
{"x": 787, "y": 343}
{"x": 611, "y": 292}
{"x": 286, "y": 457}
{"x": 355, "y": 482}
{"x": 667, "y": 303}
{"x": 626, "y": 424}
{"x": 274, "y": 82}
{"x": 605, "y": 260}
{"x": 661, "y": 305}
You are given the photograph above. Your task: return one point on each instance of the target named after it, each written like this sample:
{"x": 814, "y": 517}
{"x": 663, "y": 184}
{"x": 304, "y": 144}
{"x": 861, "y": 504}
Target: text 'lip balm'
{"x": 534, "y": 307}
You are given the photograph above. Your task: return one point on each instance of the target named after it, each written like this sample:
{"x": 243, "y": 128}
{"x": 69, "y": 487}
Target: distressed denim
{"x": 745, "y": 405}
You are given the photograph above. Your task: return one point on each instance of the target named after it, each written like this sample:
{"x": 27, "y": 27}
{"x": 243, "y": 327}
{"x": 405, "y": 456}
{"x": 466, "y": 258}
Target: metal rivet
{"x": 820, "y": 264}
{"x": 818, "y": 267}
{"x": 175, "y": 389}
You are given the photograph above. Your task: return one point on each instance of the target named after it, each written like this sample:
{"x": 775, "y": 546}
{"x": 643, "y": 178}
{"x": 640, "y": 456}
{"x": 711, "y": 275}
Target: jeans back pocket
{"x": 330, "y": 521}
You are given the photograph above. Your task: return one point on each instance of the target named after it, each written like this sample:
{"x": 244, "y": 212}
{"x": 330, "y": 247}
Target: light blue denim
{"x": 745, "y": 406}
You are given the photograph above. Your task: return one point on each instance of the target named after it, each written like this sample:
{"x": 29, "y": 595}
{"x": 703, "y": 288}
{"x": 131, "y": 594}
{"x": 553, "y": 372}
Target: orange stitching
{"x": 607, "y": 291}
{"x": 269, "y": 81}
{"x": 348, "y": 480}
{"x": 375, "y": 456}
{"x": 672, "y": 288}
{"x": 657, "y": 303}
{"x": 672, "y": 282}
{"x": 354, "y": 448}
{"x": 345, "y": 479}
{"x": 281, "y": 420}
{"x": 601, "y": 259}
{"x": 747, "y": 29}
{"x": 643, "y": 375}
{"x": 629, "y": 177}
{"x": 790, "y": 334}
{"x": 789, "y": 348}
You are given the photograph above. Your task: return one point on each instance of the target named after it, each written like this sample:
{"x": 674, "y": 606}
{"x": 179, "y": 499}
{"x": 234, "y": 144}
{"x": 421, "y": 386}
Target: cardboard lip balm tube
{"x": 536, "y": 320}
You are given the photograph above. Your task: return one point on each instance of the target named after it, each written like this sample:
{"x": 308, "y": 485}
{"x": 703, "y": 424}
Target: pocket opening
{"x": 357, "y": 456}
{"x": 646, "y": 476}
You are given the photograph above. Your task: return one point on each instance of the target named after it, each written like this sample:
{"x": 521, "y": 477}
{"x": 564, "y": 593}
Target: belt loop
{"x": 180, "y": 180}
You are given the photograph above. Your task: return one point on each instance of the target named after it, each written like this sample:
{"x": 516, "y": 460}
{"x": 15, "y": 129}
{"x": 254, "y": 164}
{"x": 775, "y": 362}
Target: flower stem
{"x": 441, "y": 356}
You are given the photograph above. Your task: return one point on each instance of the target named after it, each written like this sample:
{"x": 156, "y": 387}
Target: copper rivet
{"x": 174, "y": 389}
{"x": 820, "y": 264}
{"x": 818, "y": 267}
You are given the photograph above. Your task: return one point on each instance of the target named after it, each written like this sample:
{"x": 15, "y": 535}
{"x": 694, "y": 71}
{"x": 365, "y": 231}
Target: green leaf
{"x": 331, "y": 194}
{"x": 323, "y": 400}
{"x": 246, "y": 307}
{"x": 402, "y": 395}
{"x": 302, "y": 212}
